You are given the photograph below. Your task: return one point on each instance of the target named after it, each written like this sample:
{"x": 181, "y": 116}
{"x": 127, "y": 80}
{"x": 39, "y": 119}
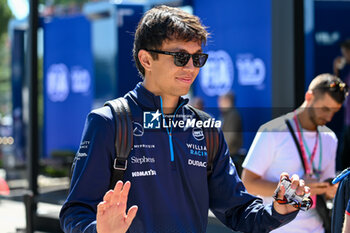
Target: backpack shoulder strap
{"x": 123, "y": 137}
{"x": 211, "y": 137}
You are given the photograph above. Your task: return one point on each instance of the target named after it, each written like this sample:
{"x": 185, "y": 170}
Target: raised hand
{"x": 298, "y": 185}
{"x": 111, "y": 212}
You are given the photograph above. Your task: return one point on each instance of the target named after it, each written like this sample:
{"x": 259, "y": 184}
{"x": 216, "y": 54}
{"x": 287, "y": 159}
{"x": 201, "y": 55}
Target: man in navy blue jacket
{"x": 170, "y": 191}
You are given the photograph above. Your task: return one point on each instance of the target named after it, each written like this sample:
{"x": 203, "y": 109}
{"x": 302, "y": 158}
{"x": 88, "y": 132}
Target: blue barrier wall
{"x": 68, "y": 81}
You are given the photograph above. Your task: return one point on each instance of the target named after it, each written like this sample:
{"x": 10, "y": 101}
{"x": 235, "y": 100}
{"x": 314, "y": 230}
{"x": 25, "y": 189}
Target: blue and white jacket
{"x": 168, "y": 175}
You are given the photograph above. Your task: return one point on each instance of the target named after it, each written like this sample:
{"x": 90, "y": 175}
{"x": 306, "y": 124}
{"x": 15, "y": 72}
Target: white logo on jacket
{"x": 150, "y": 172}
{"x": 197, "y": 163}
{"x": 142, "y": 160}
{"x": 138, "y": 129}
{"x": 198, "y": 134}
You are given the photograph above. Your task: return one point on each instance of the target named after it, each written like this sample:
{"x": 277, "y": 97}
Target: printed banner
{"x": 68, "y": 82}
{"x": 240, "y": 51}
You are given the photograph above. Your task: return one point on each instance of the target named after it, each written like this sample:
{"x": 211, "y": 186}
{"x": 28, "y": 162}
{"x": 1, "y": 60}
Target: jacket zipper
{"x": 169, "y": 132}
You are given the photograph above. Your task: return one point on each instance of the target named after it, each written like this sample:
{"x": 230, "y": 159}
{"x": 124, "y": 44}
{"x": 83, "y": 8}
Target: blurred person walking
{"x": 232, "y": 128}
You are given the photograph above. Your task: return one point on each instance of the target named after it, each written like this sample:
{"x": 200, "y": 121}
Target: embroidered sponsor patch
{"x": 197, "y": 163}
{"x": 142, "y": 160}
{"x": 144, "y": 173}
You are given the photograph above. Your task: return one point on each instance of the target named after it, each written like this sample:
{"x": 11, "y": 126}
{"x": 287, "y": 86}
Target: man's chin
{"x": 321, "y": 123}
{"x": 184, "y": 91}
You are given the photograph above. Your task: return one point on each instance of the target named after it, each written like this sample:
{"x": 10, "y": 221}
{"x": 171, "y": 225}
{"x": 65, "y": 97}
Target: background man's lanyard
{"x": 318, "y": 171}
{"x": 309, "y": 162}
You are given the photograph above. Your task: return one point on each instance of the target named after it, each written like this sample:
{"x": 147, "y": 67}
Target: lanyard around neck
{"x": 318, "y": 170}
{"x": 308, "y": 165}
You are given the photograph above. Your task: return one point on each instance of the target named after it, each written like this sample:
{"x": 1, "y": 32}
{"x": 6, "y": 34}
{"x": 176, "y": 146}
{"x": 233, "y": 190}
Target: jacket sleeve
{"x": 91, "y": 175}
{"x": 340, "y": 203}
{"x": 233, "y": 205}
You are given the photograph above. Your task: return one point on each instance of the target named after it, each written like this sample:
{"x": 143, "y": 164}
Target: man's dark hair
{"x": 166, "y": 23}
{"x": 345, "y": 44}
{"x": 330, "y": 84}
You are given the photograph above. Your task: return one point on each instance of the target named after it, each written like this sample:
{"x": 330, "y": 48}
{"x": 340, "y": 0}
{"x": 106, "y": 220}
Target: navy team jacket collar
{"x": 148, "y": 101}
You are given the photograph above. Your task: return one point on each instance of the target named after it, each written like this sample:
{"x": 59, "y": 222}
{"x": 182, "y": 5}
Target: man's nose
{"x": 329, "y": 117}
{"x": 189, "y": 64}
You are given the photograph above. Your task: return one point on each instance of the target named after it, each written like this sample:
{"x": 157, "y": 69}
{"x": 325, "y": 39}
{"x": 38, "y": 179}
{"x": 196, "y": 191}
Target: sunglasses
{"x": 338, "y": 86}
{"x": 182, "y": 58}
{"x": 335, "y": 86}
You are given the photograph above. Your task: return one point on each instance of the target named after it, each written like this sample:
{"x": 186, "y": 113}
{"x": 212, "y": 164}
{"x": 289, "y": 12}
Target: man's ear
{"x": 145, "y": 59}
{"x": 309, "y": 95}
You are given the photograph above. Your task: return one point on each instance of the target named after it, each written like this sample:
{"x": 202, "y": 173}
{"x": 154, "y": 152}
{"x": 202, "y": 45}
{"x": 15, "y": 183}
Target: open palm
{"x": 111, "y": 212}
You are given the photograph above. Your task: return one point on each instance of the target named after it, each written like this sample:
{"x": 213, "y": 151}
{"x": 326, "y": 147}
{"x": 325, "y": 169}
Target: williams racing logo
{"x": 198, "y": 155}
{"x": 197, "y": 150}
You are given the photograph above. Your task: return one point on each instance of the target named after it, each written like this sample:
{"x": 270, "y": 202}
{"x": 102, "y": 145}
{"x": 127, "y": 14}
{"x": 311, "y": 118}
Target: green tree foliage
{"x": 5, "y": 15}
{"x": 5, "y": 84}
{"x": 67, "y": 2}
{"x": 5, "y": 81}
{"x": 64, "y": 2}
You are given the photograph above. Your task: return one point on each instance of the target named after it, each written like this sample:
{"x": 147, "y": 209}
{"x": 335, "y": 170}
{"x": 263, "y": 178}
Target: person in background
{"x": 274, "y": 150}
{"x": 341, "y": 68}
{"x": 341, "y": 64}
{"x": 232, "y": 128}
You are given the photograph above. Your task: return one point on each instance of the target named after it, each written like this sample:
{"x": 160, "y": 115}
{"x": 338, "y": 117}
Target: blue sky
{"x": 19, "y": 8}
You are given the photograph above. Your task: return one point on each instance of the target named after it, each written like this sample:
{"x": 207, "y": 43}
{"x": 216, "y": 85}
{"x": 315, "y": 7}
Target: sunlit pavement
{"x": 53, "y": 193}
{"x": 12, "y": 216}
{"x": 12, "y": 210}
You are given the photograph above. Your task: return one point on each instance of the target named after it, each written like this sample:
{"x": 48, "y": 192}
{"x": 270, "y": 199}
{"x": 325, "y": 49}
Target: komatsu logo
{"x": 144, "y": 173}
